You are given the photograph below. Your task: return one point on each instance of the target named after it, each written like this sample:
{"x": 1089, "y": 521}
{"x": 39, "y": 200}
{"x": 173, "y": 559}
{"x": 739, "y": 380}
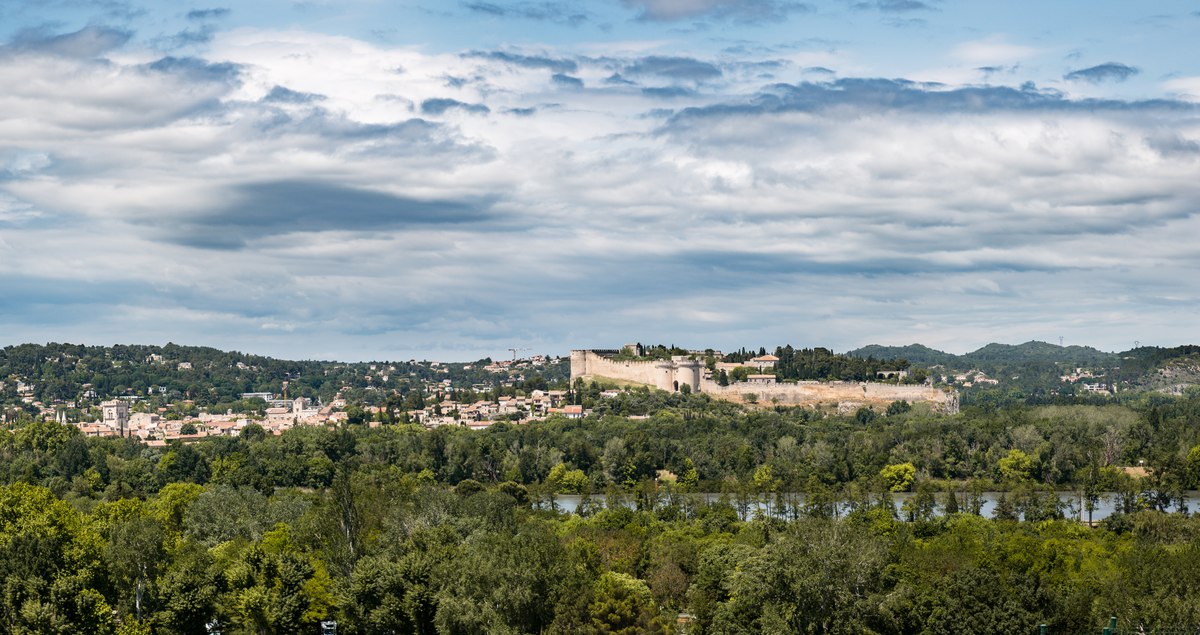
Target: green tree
{"x": 221, "y": 513}
{"x": 469, "y": 487}
{"x": 820, "y": 577}
{"x": 274, "y": 588}
{"x": 188, "y": 590}
{"x": 135, "y": 554}
{"x": 923, "y": 504}
{"x": 170, "y": 506}
{"x": 49, "y": 565}
{"x": 1192, "y": 468}
{"x": 386, "y": 595}
{"x": 993, "y": 606}
{"x": 183, "y": 463}
{"x": 1015, "y": 466}
{"x": 764, "y": 480}
{"x": 690, "y": 478}
{"x": 499, "y": 583}
{"x": 952, "y": 502}
{"x": 898, "y": 477}
{"x": 622, "y": 605}
{"x": 253, "y": 432}
{"x": 567, "y": 481}
{"x": 1004, "y": 508}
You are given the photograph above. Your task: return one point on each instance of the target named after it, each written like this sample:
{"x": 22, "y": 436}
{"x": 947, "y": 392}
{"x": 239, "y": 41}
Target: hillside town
{"x": 432, "y": 394}
{"x": 428, "y": 393}
{"x": 152, "y": 427}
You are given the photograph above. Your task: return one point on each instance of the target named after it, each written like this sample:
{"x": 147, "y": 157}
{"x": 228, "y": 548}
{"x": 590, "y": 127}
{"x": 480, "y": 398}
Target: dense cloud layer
{"x": 307, "y": 194}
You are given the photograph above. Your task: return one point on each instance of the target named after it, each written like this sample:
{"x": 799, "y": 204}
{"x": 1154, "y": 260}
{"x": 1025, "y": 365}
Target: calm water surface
{"x": 1071, "y": 503}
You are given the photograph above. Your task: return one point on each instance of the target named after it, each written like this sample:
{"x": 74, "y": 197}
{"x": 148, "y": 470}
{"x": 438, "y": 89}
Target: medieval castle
{"x": 688, "y": 373}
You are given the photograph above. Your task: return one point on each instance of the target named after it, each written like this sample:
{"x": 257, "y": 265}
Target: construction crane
{"x": 514, "y": 352}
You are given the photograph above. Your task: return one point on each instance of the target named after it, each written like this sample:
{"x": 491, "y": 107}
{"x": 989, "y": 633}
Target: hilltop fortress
{"x": 674, "y": 374}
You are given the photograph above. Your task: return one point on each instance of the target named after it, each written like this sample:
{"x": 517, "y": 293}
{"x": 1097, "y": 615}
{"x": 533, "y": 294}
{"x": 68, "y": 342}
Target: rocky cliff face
{"x": 1174, "y": 377}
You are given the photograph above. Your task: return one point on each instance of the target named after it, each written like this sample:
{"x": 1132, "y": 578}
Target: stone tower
{"x": 116, "y": 414}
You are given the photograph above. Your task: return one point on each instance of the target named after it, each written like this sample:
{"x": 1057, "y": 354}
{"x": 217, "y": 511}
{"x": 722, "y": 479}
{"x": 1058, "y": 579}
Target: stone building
{"x": 115, "y": 415}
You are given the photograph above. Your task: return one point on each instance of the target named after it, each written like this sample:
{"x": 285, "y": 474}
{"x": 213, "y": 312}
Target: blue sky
{"x": 383, "y": 180}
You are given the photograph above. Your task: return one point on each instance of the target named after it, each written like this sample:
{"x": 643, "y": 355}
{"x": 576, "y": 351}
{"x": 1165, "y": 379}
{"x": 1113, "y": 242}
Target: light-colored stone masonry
{"x": 845, "y": 395}
{"x": 664, "y": 374}
{"x": 671, "y": 374}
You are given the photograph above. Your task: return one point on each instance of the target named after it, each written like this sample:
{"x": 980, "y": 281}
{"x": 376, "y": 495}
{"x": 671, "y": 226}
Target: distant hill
{"x": 917, "y": 354}
{"x": 71, "y": 373}
{"x": 1170, "y": 370}
{"x": 992, "y": 355}
{"x": 1039, "y": 352}
{"x": 1035, "y": 369}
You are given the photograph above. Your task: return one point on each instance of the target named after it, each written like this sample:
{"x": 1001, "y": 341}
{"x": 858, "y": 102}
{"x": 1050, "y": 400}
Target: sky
{"x": 371, "y": 179}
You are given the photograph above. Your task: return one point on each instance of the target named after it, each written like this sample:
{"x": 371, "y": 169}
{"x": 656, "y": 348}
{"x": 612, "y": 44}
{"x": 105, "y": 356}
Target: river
{"x": 1071, "y": 503}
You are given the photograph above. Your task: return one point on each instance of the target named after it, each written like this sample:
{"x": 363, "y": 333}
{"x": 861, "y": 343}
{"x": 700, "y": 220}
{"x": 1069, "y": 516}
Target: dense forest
{"x": 385, "y": 552}
{"x": 685, "y": 512}
{"x": 399, "y": 529}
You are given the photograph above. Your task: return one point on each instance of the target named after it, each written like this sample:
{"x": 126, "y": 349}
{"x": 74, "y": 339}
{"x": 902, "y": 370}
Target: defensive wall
{"x": 846, "y": 396}
{"x": 667, "y": 374}
{"x": 673, "y": 373}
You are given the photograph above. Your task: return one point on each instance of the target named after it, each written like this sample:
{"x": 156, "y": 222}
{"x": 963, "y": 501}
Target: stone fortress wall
{"x": 673, "y": 373}
{"x": 663, "y": 374}
{"x": 847, "y": 396}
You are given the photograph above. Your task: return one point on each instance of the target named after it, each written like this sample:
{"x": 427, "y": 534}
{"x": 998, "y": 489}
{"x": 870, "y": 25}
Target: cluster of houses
{"x": 1078, "y": 376}
{"x": 24, "y": 390}
{"x": 536, "y": 406}
{"x": 123, "y": 417}
{"x": 117, "y": 420}
{"x": 973, "y": 378}
{"x": 764, "y": 364}
{"x": 1081, "y": 375}
{"x": 507, "y": 365}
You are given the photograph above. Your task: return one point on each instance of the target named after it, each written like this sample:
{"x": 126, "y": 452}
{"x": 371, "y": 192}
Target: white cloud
{"x": 13, "y": 210}
{"x": 592, "y": 219}
{"x": 1184, "y": 88}
{"x": 992, "y": 50}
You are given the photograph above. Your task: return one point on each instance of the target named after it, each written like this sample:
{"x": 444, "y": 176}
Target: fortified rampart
{"x": 667, "y": 374}
{"x": 845, "y": 395}
{"x": 673, "y": 373}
